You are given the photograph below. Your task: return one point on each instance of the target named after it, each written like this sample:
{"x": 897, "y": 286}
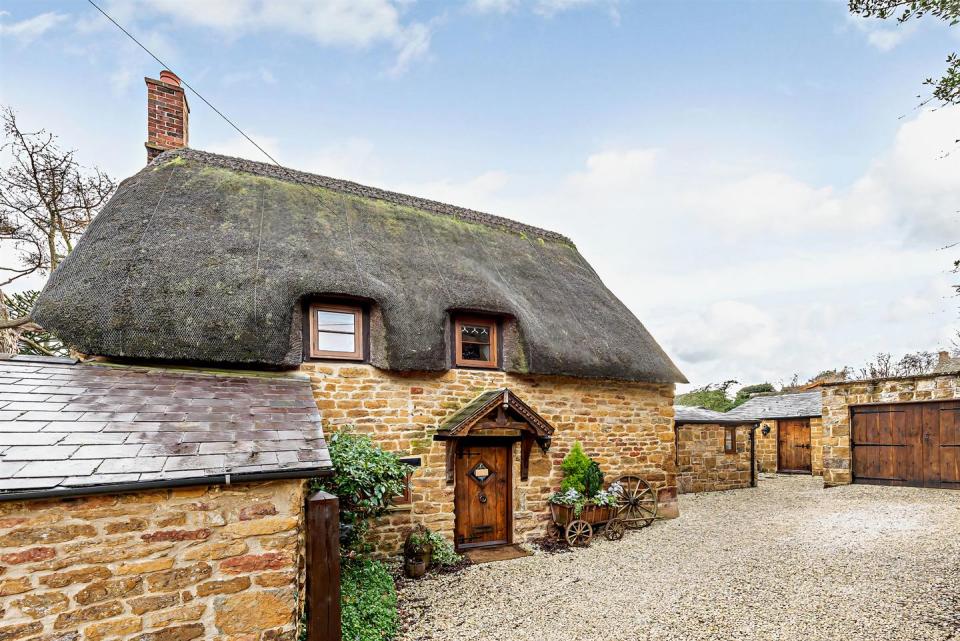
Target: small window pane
{"x": 475, "y": 334}
{"x": 475, "y": 352}
{"x": 327, "y": 342}
{"x": 335, "y": 322}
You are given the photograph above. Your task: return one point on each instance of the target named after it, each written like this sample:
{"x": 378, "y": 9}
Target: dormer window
{"x": 336, "y": 331}
{"x": 475, "y": 342}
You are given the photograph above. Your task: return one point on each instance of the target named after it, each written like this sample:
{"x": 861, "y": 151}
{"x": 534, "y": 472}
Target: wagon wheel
{"x": 579, "y": 534}
{"x": 636, "y": 501}
{"x": 615, "y": 529}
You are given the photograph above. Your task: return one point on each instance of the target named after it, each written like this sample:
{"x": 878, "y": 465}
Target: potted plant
{"x": 417, "y": 552}
{"x": 581, "y": 494}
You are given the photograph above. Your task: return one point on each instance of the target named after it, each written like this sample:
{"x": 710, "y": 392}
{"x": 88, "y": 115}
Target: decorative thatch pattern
{"x": 206, "y": 258}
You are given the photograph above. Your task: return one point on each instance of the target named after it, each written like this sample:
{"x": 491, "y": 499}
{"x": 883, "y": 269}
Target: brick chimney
{"x": 943, "y": 357}
{"x": 167, "y": 115}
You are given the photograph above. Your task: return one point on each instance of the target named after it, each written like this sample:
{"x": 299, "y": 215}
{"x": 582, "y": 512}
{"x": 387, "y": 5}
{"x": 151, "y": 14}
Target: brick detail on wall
{"x": 702, "y": 464}
{"x": 96, "y": 568}
{"x": 838, "y": 398}
{"x": 626, "y": 427}
{"x": 167, "y": 115}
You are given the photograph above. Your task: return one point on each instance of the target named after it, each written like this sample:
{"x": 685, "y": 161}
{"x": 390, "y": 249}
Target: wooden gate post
{"x": 323, "y": 567}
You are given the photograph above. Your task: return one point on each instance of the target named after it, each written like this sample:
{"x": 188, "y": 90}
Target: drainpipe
{"x": 753, "y": 454}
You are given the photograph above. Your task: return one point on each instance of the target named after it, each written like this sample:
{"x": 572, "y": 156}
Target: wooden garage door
{"x": 907, "y": 444}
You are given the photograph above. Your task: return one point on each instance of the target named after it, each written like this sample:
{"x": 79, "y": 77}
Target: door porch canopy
{"x": 496, "y": 413}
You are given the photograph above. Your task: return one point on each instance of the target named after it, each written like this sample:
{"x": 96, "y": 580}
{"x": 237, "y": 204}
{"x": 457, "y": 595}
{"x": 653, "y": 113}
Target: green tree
{"x": 714, "y": 397}
{"x": 747, "y": 392}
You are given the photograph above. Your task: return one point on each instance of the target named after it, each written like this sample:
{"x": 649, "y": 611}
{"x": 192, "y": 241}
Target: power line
{"x": 186, "y": 84}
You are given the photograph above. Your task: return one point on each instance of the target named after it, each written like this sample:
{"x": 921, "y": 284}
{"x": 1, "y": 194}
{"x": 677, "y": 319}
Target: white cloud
{"x": 493, "y": 6}
{"x": 757, "y": 274}
{"x": 343, "y": 23}
{"x": 26, "y": 31}
{"x": 883, "y": 35}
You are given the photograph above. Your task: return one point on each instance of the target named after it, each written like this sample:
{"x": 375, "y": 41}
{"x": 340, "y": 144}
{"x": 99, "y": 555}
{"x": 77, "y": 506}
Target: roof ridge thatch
{"x": 356, "y": 189}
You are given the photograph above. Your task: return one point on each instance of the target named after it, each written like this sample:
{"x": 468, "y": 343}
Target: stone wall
{"x": 837, "y": 399}
{"x": 816, "y": 445}
{"x": 626, "y": 427}
{"x": 703, "y": 466}
{"x": 767, "y": 446}
{"x": 169, "y": 565}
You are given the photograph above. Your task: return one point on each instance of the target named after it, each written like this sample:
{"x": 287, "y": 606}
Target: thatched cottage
{"x": 714, "y": 451}
{"x": 461, "y": 340}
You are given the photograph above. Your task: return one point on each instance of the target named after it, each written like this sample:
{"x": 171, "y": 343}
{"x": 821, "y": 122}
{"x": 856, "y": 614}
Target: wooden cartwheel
{"x": 636, "y": 501}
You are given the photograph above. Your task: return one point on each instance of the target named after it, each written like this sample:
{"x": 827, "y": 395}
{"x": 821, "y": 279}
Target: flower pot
{"x": 415, "y": 568}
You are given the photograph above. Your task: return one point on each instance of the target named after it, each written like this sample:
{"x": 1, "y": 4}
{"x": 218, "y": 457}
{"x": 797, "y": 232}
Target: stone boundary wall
{"x": 704, "y": 466}
{"x": 839, "y": 397}
{"x": 167, "y": 565}
{"x": 627, "y": 427}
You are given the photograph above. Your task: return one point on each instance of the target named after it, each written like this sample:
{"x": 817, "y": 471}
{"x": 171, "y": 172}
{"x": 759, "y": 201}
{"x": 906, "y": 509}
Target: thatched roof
{"x": 206, "y": 258}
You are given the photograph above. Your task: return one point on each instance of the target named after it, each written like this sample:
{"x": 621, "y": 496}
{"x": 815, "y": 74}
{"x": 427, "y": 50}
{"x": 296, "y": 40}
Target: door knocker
{"x": 482, "y": 497}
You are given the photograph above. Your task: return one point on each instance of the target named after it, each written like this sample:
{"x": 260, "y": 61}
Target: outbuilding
{"x": 894, "y": 431}
{"x": 714, "y": 452}
{"x": 162, "y": 504}
{"x": 790, "y": 435}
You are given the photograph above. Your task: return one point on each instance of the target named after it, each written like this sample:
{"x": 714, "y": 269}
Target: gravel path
{"x": 786, "y": 561}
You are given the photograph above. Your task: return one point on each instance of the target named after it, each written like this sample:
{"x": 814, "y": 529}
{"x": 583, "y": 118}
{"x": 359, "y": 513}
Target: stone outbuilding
{"x": 153, "y": 504}
{"x": 403, "y": 312}
{"x": 714, "y": 452}
{"x": 894, "y": 431}
{"x": 790, "y": 436}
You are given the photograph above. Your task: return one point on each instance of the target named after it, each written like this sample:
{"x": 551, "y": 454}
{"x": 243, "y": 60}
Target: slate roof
{"x": 201, "y": 257}
{"x": 802, "y": 404}
{"x": 947, "y": 365}
{"x": 687, "y": 414}
{"x": 67, "y": 426}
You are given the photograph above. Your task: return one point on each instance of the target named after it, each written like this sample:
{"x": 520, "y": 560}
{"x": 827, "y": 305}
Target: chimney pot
{"x": 169, "y": 77}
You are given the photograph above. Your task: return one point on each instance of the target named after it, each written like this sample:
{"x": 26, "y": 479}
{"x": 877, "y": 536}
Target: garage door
{"x": 907, "y": 444}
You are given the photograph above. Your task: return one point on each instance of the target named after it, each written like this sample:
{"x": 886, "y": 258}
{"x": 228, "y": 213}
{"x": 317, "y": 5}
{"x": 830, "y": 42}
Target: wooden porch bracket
{"x": 323, "y": 567}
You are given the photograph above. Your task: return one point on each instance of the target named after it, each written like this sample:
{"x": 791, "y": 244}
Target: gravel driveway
{"x": 785, "y": 561}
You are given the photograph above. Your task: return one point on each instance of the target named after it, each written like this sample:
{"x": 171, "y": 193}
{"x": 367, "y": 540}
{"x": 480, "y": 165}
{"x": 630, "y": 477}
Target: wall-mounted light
{"x": 765, "y": 430}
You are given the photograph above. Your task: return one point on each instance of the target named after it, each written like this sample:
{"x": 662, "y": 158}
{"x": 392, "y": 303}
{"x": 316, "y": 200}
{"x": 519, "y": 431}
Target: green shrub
{"x": 592, "y": 480}
{"x": 368, "y": 601}
{"x": 365, "y": 479}
{"x": 575, "y": 465}
{"x": 443, "y": 552}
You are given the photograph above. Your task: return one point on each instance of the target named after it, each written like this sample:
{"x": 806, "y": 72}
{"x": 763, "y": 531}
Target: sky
{"x": 755, "y": 180}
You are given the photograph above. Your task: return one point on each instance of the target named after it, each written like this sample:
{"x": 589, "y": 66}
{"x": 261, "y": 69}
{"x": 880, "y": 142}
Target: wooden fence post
{"x": 323, "y": 567}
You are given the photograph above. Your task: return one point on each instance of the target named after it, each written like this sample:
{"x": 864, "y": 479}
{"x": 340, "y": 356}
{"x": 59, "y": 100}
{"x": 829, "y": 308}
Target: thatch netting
{"x": 206, "y": 258}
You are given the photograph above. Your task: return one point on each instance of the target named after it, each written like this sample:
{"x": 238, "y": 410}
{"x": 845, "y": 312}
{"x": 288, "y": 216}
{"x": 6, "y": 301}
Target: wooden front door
{"x": 793, "y": 445}
{"x": 482, "y": 495}
{"x": 907, "y": 444}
